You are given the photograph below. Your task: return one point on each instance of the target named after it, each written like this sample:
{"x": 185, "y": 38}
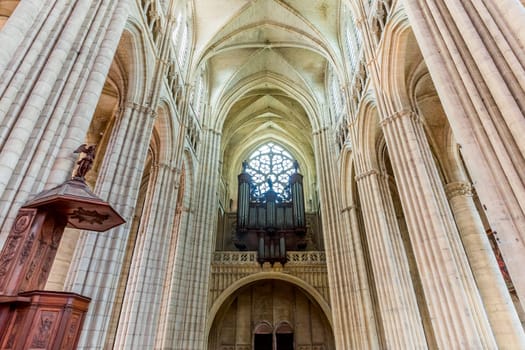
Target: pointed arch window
{"x": 183, "y": 48}
{"x": 336, "y": 96}
{"x": 271, "y": 162}
{"x": 176, "y": 31}
{"x": 352, "y": 38}
{"x": 198, "y": 98}
{"x": 180, "y": 39}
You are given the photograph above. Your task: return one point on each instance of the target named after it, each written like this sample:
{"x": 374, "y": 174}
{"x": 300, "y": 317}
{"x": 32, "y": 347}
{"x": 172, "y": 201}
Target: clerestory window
{"x": 271, "y": 162}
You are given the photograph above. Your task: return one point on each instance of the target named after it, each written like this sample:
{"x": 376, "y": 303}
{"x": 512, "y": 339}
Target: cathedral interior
{"x": 293, "y": 174}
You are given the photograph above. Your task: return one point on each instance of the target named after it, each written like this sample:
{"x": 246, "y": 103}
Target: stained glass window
{"x": 270, "y": 162}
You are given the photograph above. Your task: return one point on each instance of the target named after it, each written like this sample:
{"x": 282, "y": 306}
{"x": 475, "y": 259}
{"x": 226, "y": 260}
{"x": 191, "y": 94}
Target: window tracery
{"x": 198, "y": 97}
{"x": 271, "y": 162}
{"x": 352, "y": 38}
{"x": 183, "y": 48}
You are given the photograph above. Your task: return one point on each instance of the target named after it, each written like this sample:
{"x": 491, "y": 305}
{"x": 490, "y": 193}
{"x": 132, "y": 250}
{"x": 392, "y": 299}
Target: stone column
{"x": 194, "y": 252}
{"x": 353, "y": 328}
{"x": 23, "y": 22}
{"x": 474, "y": 52}
{"x": 456, "y": 311}
{"x": 174, "y": 292}
{"x": 98, "y": 259}
{"x": 500, "y": 309}
{"x": 395, "y": 291}
{"x": 59, "y": 62}
{"x": 366, "y": 330}
{"x": 142, "y": 301}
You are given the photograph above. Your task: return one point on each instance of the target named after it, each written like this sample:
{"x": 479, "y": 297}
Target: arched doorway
{"x": 263, "y": 336}
{"x": 270, "y": 314}
{"x": 284, "y": 337}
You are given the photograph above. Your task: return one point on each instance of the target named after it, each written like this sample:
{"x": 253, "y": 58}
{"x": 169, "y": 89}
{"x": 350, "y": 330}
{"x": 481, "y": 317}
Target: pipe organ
{"x": 270, "y": 223}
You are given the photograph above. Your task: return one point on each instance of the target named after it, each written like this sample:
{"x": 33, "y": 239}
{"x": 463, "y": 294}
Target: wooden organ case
{"x": 270, "y": 223}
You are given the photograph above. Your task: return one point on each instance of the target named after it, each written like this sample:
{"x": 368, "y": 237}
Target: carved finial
{"x": 244, "y": 166}
{"x": 85, "y": 163}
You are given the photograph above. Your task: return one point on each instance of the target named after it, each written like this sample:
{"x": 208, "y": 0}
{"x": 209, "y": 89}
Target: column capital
{"x": 404, "y": 113}
{"x": 164, "y": 166}
{"x": 319, "y": 131}
{"x": 349, "y": 208}
{"x": 459, "y": 188}
{"x": 213, "y": 131}
{"x": 142, "y": 108}
{"x": 367, "y": 174}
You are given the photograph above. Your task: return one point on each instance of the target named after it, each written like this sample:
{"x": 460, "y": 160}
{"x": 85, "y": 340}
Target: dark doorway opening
{"x": 284, "y": 341}
{"x": 262, "y": 342}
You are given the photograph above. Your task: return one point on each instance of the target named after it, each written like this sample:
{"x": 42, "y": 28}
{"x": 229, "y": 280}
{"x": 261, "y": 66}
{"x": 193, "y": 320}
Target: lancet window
{"x": 352, "y": 38}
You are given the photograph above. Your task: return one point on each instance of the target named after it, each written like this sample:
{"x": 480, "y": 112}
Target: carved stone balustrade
{"x": 229, "y": 267}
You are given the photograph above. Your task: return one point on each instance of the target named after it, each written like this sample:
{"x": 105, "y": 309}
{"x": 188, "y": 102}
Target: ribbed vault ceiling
{"x": 266, "y": 63}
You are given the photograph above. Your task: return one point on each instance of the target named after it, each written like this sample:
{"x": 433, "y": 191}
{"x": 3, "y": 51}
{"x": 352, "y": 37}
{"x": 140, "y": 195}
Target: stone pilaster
{"x": 496, "y": 298}
{"x": 474, "y": 52}
{"x": 98, "y": 259}
{"x": 456, "y": 311}
{"x": 395, "y": 291}
{"x": 353, "y": 329}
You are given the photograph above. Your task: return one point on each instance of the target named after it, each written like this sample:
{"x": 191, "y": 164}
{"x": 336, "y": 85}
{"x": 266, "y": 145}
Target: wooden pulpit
{"x": 31, "y": 318}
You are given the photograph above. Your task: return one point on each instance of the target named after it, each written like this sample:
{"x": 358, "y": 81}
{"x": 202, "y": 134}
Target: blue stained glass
{"x": 270, "y": 161}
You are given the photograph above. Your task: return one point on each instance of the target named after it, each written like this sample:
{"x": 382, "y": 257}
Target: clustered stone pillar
{"x": 395, "y": 291}
{"x": 148, "y": 268}
{"x": 172, "y": 299}
{"x": 365, "y": 324}
{"x": 456, "y": 312}
{"x": 474, "y": 52}
{"x": 194, "y": 253}
{"x": 145, "y": 283}
{"x": 71, "y": 46}
{"x": 353, "y": 319}
{"x": 502, "y": 314}
{"x": 96, "y": 265}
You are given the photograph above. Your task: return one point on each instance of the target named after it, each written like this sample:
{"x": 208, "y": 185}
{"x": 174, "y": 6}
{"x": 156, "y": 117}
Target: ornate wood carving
{"x": 43, "y": 319}
{"x": 90, "y": 216}
{"x": 85, "y": 163}
{"x": 72, "y": 331}
{"x": 18, "y": 244}
{"x": 42, "y": 336}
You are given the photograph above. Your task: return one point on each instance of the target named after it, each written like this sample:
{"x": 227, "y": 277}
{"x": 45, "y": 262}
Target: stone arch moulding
{"x": 305, "y": 98}
{"x": 284, "y": 327}
{"x": 164, "y": 130}
{"x": 138, "y": 61}
{"x": 263, "y": 327}
{"x": 397, "y": 36}
{"x": 347, "y": 179}
{"x": 308, "y": 289}
{"x": 369, "y": 130}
